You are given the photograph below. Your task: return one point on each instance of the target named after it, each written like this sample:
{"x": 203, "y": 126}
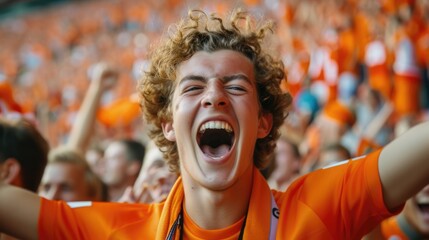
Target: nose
{"x": 215, "y": 95}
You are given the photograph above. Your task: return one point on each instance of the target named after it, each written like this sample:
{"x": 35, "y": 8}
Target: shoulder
{"x": 335, "y": 198}
{"x": 362, "y": 168}
{"x": 94, "y": 220}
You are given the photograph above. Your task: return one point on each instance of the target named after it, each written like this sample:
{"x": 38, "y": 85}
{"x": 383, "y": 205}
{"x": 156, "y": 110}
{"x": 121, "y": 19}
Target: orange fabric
{"x": 333, "y": 93}
{"x": 406, "y": 94}
{"x": 313, "y": 142}
{"x": 390, "y": 228}
{"x": 342, "y": 202}
{"x": 414, "y": 26}
{"x": 289, "y": 14}
{"x": 194, "y": 232}
{"x": 222, "y": 7}
{"x": 422, "y": 48}
{"x": 120, "y": 113}
{"x": 252, "y": 2}
{"x": 379, "y": 79}
{"x": 362, "y": 33}
{"x": 6, "y": 96}
{"x": 365, "y": 146}
{"x": 299, "y": 68}
{"x": 339, "y": 112}
{"x": 323, "y": 205}
{"x": 347, "y": 52}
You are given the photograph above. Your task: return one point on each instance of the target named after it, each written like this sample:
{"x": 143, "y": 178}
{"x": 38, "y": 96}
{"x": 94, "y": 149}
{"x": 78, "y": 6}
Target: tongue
{"x": 216, "y": 152}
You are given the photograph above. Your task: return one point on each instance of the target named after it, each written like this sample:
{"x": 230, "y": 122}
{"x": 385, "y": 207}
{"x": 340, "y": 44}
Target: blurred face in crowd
{"x": 64, "y": 181}
{"x": 331, "y": 156}
{"x": 115, "y": 165}
{"x": 161, "y": 180}
{"x": 416, "y": 211}
{"x": 94, "y": 159}
{"x": 287, "y": 161}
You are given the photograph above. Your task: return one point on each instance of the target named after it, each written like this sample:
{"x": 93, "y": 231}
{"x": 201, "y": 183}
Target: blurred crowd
{"x": 329, "y": 48}
{"x": 357, "y": 69}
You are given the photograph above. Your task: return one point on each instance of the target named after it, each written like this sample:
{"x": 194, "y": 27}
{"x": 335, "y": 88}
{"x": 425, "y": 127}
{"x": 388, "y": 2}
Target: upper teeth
{"x": 216, "y": 125}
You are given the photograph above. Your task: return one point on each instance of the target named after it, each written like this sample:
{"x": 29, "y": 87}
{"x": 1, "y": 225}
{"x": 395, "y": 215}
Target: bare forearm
{"x": 85, "y": 120}
{"x": 19, "y": 211}
{"x": 103, "y": 78}
{"x": 404, "y": 165}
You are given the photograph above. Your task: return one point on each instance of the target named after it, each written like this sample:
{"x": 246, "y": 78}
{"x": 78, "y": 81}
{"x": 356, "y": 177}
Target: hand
{"x": 104, "y": 76}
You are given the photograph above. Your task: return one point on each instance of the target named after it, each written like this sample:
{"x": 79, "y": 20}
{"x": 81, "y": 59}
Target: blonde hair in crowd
{"x": 202, "y": 32}
{"x": 69, "y": 156}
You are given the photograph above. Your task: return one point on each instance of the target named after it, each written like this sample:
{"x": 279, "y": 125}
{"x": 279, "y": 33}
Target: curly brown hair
{"x": 200, "y": 32}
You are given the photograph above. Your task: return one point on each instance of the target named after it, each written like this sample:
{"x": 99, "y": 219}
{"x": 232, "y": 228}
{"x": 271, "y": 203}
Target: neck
{"x": 220, "y": 208}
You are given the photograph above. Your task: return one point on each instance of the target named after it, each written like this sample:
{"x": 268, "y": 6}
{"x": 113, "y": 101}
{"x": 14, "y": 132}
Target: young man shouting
{"x": 213, "y": 98}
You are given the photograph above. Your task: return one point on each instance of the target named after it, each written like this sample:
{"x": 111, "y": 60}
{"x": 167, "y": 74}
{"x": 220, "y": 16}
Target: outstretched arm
{"x": 19, "y": 212}
{"x": 404, "y": 165}
{"x": 103, "y": 78}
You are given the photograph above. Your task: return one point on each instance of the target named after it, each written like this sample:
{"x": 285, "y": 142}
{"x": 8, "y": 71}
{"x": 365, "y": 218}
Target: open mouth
{"x": 215, "y": 138}
{"x": 424, "y": 211}
{"x": 423, "y": 207}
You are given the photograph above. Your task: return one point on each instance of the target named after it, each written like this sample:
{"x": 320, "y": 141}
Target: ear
{"x": 10, "y": 172}
{"x": 265, "y": 125}
{"x": 168, "y": 130}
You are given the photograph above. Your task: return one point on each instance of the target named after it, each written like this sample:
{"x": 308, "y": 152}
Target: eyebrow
{"x": 224, "y": 79}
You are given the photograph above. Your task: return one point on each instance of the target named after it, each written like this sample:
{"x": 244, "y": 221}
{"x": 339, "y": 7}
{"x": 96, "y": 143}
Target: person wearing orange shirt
{"x": 23, "y": 155}
{"x": 287, "y": 164}
{"x": 412, "y": 222}
{"x": 213, "y": 100}
{"x": 68, "y": 177}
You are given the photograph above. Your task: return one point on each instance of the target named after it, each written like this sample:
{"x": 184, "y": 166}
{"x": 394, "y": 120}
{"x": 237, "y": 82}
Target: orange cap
{"x": 120, "y": 113}
{"x": 339, "y": 112}
{"x": 6, "y": 95}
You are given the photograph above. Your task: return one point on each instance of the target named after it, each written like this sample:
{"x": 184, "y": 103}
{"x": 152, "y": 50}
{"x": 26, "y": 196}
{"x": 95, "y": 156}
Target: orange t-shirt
{"x": 339, "y": 202}
{"x": 193, "y": 231}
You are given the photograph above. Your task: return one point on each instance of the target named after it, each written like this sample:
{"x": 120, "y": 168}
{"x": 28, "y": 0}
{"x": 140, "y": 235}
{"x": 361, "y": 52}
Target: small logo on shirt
{"x": 79, "y": 204}
{"x": 276, "y": 212}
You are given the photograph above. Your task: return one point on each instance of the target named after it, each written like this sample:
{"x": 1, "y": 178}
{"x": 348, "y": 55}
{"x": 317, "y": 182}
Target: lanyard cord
{"x": 178, "y": 223}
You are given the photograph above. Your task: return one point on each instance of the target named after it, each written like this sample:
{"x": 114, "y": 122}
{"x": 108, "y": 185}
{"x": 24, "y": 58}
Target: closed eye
{"x": 236, "y": 89}
{"x": 192, "y": 89}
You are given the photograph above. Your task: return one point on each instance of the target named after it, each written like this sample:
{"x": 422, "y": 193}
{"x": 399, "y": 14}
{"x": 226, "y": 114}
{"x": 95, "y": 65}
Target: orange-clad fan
{"x": 214, "y": 94}
{"x": 376, "y": 60}
{"x": 407, "y": 81}
{"x": 309, "y": 207}
{"x": 329, "y": 127}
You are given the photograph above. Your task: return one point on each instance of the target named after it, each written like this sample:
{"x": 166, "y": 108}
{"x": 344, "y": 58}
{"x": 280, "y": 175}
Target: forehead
{"x": 57, "y": 172}
{"x": 216, "y": 64}
{"x": 114, "y": 149}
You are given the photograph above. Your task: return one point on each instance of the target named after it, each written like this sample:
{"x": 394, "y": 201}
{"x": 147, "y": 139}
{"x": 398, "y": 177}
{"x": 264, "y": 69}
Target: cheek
{"x": 183, "y": 112}
{"x": 184, "y": 104}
